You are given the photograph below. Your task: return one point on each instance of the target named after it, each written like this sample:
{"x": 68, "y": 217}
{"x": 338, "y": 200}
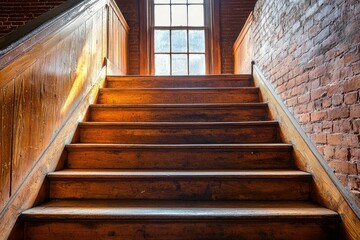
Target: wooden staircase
{"x": 172, "y": 158}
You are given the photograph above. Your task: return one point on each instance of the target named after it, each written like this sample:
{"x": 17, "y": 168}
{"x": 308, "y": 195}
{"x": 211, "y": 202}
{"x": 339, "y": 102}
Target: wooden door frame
{"x": 213, "y": 22}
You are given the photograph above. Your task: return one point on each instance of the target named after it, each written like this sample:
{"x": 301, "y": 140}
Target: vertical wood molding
{"x": 145, "y": 55}
{"x": 326, "y": 188}
{"x": 215, "y": 37}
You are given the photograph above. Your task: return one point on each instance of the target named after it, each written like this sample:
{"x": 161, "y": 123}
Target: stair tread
{"x": 120, "y": 173}
{"x": 181, "y": 146}
{"x": 182, "y": 105}
{"x": 215, "y": 77}
{"x": 152, "y": 210}
{"x": 180, "y": 124}
{"x": 244, "y": 89}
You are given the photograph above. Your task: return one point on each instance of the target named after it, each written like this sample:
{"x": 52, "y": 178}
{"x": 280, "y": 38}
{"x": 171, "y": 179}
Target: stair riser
{"x": 177, "y": 114}
{"x": 181, "y": 189}
{"x": 128, "y": 96}
{"x": 293, "y": 229}
{"x": 179, "y": 135}
{"x": 180, "y": 159}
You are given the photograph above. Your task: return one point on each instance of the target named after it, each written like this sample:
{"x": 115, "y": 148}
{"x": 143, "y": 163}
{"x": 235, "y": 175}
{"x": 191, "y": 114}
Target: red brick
{"x": 316, "y": 116}
{"x": 343, "y": 167}
{"x": 339, "y": 112}
{"x": 355, "y": 111}
{"x": 335, "y": 139}
{"x": 328, "y": 151}
{"x": 351, "y": 98}
{"x": 319, "y": 138}
{"x": 337, "y": 100}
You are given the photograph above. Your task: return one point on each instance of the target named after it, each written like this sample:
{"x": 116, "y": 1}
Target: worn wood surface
{"x": 199, "y": 230}
{"x": 178, "y": 112}
{"x": 116, "y": 81}
{"x": 176, "y": 220}
{"x": 180, "y": 185}
{"x": 6, "y": 123}
{"x": 205, "y": 156}
{"x": 176, "y": 95}
{"x": 179, "y": 133}
{"x": 326, "y": 189}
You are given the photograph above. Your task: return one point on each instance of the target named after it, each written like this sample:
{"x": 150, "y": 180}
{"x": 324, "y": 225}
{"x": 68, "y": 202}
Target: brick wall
{"x": 310, "y": 51}
{"x": 233, "y": 17}
{"x": 130, "y": 10}
{"x": 15, "y": 13}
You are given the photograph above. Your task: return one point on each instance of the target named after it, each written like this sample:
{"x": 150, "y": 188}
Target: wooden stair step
{"x": 178, "y": 95}
{"x": 180, "y": 185}
{"x": 180, "y": 133}
{"x": 178, "y": 112}
{"x": 192, "y": 156}
{"x": 177, "y": 220}
{"x": 179, "y": 81}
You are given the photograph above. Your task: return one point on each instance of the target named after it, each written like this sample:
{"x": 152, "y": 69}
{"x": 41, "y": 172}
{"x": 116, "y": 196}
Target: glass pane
{"x": 161, "y": 1}
{"x": 162, "y": 40}
{"x": 197, "y": 64}
{"x": 179, "y": 15}
{"x": 162, "y": 64}
{"x": 179, "y": 64}
{"x": 179, "y": 41}
{"x": 196, "y": 15}
{"x": 196, "y": 1}
{"x": 197, "y": 41}
{"x": 162, "y": 15}
{"x": 178, "y": 1}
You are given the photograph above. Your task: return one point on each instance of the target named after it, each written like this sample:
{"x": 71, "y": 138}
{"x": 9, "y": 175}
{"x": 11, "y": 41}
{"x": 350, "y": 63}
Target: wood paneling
{"x": 118, "y": 42}
{"x": 243, "y": 51}
{"x": 6, "y": 122}
{"x": 46, "y": 86}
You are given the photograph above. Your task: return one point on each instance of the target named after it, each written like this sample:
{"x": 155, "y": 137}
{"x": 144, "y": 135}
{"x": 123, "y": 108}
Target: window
{"x": 179, "y": 37}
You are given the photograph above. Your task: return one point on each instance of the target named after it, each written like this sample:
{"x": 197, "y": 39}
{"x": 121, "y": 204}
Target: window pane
{"x": 196, "y": 15}
{"x": 162, "y": 41}
{"x": 197, "y": 41}
{"x": 162, "y": 15}
{"x": 179, "y": 15}
{"x": 179, "y": 64}
{"x": 161, "y": 1}
{"x": 197, "y": 64}
{"x": 179, "y": 41}
{"x": 178, "y": 1}
{"x": 162, "y": 64}
{"x": 196, "y": 1}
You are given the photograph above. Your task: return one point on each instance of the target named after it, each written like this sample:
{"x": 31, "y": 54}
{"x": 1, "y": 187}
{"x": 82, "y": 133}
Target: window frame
{"x": 170, "y": 28}
{"x": 212, "y": 36}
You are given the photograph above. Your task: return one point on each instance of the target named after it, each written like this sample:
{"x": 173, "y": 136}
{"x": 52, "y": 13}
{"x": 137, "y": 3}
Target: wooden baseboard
{"x": 326, "y": 188}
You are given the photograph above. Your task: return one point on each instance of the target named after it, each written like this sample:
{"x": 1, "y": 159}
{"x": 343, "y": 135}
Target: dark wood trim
{"x": 215, "y": 38}
{"x": 326, "y": 187}
{"x": 145, "y": 55}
